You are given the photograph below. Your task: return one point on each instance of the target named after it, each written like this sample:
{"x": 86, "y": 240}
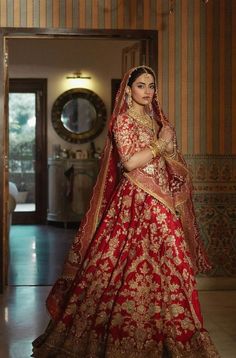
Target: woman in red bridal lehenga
{"x": 128, "y": 287}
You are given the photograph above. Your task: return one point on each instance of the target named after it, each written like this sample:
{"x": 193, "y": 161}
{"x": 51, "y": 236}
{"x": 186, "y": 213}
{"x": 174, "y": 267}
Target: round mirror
{"x": 78, "y": 115}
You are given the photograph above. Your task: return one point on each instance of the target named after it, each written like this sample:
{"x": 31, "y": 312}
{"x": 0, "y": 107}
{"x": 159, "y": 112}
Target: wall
{"x": 196, "y": 56}
{"x": 55, "y": 59}
{"x": 197, "y": 65}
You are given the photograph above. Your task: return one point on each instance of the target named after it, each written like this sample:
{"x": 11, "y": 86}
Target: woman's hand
{"x": 170, "y": 147}
{"x": 167, "y": 134}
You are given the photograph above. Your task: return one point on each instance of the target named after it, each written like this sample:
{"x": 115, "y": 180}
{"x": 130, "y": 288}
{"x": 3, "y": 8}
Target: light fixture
{"x": 76, "y": 75}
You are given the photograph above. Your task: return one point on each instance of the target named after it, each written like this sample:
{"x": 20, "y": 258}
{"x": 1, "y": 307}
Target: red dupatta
{"x": 107, "y": 181}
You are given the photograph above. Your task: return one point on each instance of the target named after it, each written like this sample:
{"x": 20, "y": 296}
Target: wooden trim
{"x": 222, "y": 78}
{"x": 233, "y": 84}
{"x": 3, "y": 169}
{"x": 197, "y": 79}
{"x": 209, "y": 75}
{"x": 171, "y": 69}
{"x": 109, "y": 33}
{"x": 133, "y": 13}
{"x": 184, "y": 78}
{"x": 36, "y": 85}
{"x": 147, "y": 35}
{"x": 146, "y": 14}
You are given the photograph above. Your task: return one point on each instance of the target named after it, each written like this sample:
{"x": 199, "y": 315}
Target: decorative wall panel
{"x": 214, "y": 179}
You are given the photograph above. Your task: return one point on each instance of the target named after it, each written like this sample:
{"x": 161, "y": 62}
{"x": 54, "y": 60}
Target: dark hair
{"x": 138, "y": 72}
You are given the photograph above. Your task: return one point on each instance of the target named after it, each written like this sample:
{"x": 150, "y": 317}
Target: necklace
{"x": 144, "y": 118}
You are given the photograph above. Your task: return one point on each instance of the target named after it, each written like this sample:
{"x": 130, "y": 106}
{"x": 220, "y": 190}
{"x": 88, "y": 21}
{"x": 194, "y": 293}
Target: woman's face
{"x": 142, "y": 89}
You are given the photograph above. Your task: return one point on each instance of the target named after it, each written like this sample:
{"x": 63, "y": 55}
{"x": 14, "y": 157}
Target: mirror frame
{"x": 69, "y": 95}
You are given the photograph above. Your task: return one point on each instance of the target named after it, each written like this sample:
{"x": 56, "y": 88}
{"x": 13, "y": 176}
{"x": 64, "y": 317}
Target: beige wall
{"x": 55, "y": 59}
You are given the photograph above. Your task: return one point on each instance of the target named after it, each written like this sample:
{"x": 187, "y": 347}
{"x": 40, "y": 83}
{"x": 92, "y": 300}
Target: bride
{"x": 128, "y": 286}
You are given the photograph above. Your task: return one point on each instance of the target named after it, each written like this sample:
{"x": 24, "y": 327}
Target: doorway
{"x": 148, "y": 56}
{"x": 28, "y": 149}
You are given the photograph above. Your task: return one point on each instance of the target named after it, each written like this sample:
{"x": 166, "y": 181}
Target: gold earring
{"x": 129, "y": 100}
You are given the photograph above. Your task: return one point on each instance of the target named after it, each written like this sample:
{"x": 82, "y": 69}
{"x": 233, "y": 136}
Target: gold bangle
{"x": 161, "y": 146}
{"x": 154, "y": 149}
{"x": 158, "y": 147}
{"x": 172, "y": 155}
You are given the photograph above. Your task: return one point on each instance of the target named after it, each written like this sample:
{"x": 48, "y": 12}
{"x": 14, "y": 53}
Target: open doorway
{"x": 148, "y": 55}
{"x": 28, "y": 149}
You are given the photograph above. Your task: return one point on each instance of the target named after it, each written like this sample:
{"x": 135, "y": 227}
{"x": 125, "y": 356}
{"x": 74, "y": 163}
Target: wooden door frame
{"x": 147, "y": 36}
{"x": 36, "y": 85}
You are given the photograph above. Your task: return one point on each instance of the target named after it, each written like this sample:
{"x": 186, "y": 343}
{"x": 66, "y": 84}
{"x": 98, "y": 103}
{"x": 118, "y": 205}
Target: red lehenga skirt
{"x": 135, "y": 296}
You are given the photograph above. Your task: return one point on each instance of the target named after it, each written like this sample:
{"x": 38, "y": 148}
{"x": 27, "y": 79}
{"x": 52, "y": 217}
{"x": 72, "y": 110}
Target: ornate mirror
{"x": 78, "y": 115}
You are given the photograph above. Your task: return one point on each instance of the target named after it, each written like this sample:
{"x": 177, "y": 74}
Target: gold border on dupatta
{"x": 159, "y": 198}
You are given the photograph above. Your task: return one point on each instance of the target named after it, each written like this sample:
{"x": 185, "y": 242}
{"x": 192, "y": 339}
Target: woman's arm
{"x": 139, "y": 159}
{"x": 144, "y": 156}
{"x": 126, "y": 137}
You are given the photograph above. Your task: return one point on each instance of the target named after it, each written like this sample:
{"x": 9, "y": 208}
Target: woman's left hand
{"x": 166, "y": 133}
{"x": 170, "y": 147}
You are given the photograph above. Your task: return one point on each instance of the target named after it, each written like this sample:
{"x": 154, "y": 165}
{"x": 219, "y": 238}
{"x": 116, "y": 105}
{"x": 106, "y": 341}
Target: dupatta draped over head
{"x": 107, "y": 181}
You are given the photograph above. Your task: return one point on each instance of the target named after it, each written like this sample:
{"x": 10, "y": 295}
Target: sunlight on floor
{"x": 25, "y": 207}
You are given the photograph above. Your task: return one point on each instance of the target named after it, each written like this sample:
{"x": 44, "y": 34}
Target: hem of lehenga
{"x": 200, "y": 346}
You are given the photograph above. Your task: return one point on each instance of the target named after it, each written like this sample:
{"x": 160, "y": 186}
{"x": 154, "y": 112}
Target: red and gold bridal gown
{"x": 135, "y": 294}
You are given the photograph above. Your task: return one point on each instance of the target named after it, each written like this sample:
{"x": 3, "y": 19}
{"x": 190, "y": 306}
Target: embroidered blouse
{"x": 131, "y": 137}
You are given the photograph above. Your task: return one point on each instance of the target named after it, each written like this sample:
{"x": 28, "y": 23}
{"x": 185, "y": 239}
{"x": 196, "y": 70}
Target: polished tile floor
{"x": 37, "y": 253}
{"x": 22, "y": 310}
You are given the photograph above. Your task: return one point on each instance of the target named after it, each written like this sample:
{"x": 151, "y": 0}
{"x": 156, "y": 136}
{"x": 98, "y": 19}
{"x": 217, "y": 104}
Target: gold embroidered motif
{"x": 134, "y": 294}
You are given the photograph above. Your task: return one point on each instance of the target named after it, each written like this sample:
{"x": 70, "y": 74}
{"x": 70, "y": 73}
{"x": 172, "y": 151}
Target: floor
{"x": 25, "y": 207}
{"x": 37, "y": 254}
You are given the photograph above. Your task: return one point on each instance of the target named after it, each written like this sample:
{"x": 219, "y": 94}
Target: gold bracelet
{"x": 153, "y": 152}
{"x": 161, "y": 145}
{"x": 164, "y": 143}
{"x": 173, "y": 154}
{"x": 154, "y": 149}
{"x": 158, "y": 147}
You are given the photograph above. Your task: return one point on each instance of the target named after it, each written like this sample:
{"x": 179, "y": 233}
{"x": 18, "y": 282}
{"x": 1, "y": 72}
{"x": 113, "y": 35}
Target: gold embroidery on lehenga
{"x": 153, "y": 288}
{"x": 134, "y": 295}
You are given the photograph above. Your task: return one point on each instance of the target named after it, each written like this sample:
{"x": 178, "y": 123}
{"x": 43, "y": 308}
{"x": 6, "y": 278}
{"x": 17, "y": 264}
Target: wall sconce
{"x": 78, "y": 75}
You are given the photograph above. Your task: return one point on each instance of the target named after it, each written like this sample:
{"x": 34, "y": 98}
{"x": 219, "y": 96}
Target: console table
{"x": 70, "y": 183}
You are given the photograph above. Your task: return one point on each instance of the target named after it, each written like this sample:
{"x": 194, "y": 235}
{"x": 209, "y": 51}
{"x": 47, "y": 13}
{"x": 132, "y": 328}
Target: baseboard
{"x": 216, "y": 283}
